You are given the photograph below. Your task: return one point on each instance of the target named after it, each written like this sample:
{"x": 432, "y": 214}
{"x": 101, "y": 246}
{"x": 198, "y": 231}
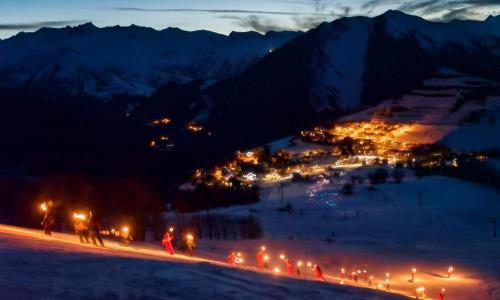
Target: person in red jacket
{"x": 231, "y": 259}
{"x": 318, "y": 273}
{"x": 260, "y": 257}
{"x": 167, "y": 241}
{"x": 290, "y": 267}
{"x": 441, "y": 294}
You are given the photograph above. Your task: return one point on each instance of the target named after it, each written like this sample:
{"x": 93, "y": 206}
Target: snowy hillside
{"x": 427, "y": 224}
{"x": 35, "y": 267}
{"x": 451, "y": 108}
{"x": 126, "y": 60}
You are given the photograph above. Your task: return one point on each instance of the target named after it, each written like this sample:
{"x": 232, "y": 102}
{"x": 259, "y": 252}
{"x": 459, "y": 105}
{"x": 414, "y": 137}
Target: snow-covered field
{"x": 430, "y": 224}
{"x": 33, "y": 266}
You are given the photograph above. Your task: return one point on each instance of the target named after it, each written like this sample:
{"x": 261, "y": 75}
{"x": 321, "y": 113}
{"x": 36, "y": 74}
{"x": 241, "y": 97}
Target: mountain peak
{"x": 86, "y": 26}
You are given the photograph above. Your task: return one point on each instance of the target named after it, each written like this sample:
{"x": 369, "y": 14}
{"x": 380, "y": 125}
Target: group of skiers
{"x": 262, "y": 263}
{"x": 88, "y": 229}
{"x": 168, "y": 238}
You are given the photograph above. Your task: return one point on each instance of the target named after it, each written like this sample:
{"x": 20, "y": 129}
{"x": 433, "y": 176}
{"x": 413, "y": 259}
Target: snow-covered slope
{"x": 450, "y": 107}
{"x": 127, "y": 60}
{"x": 34, "y": 267}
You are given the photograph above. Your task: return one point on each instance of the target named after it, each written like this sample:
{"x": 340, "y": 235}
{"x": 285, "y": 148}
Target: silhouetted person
{"x": 48, "y": 222}
{"x": 95, "y": 230}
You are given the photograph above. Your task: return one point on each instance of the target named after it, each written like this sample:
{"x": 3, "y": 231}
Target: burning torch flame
{"x": 171, "y": 229}
{"x": 309, "y": 264}
{"x": 190, "y": 237}
{"x": 299, "y": 263}
{"x": 414, "y": 270}
{"x": 276, "y": 270}
{"x": 282, "y": 256}
{"x": 266, "y": 258}
{"x": 79, "y": 216}
{"x": 125, "y": 229}
{"x": 263, "y": 248}
{"x": 44, "y": 206}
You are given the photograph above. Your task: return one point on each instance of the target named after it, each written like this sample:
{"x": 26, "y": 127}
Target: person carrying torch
{"x": 48, "y": 219}
{"x": 231, "y": 258}
{"x": 441, "y": 294}
{"x": 290, "y": 266}
{"x": 299, "y": 264}
{"x": 167, "y": 241}
{"x": 190, "y": 245}
{"x": 260, "y": 257}
{"x": 126, "y": 236}
{"x": 81, "y": 227}
{"x": 318, "y": 273}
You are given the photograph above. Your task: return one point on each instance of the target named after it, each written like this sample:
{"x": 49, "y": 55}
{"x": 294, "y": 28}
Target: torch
{"x": 450, "y": 270}
{"x": 413, "y": 271}
{"x": 43, "y": 206}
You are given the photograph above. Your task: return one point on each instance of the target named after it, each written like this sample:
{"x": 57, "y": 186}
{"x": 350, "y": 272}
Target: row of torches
{"x": 419, "y": 291}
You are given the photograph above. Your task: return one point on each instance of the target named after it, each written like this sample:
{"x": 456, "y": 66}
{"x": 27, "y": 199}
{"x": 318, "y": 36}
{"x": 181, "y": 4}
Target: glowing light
{"x": 79, "y": 216}
{"x": 190, "y": 237}
{"x": 125, "y": 229}
{"x": 276, "y": 270}
{"x": 387, "y": 275}
{"x": 282, "y": 256}
{"x": 171, "y": 229}
{"x": 263, "y": 248}
{"x": 309, "y": 264}
{"x": 414, "y": 270}
{"x": 299, "y": 263}
{"x": 266, "y": 258}
{"x": 43, "y": 206}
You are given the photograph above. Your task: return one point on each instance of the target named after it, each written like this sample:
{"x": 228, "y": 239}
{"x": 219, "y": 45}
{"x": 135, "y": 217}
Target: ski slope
{"x": 393, "y": 233}
{"x": 33, "y": 266}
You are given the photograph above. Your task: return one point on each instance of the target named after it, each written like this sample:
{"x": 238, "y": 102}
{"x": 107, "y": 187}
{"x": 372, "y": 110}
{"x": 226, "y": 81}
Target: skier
{"x": 190, "y": 245}
{"x": 167, "y": 241}
{"x": 297, "y": 269}
{"x": 441, "y": 294}
{"x": 231, "y": 259}
{"x": 260, "y": 257}
{"x": 355, "y": 276}
{"x": 318, "y": 273}
{"x": 81, "y": 227}
{"x": 95, "y": 230}
{"x": 290, "y": 267}
{"x": 47, "y": 223}
{"x": 126, "y": 236}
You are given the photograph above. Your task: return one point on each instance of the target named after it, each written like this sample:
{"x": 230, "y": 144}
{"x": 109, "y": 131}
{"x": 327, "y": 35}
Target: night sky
{"x": 222, "y": 16}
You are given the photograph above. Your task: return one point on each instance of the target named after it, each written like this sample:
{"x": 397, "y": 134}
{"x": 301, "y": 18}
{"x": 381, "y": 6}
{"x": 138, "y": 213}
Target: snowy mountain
{"x": 351, "y": 63}
{"x": 86, "y": 60}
